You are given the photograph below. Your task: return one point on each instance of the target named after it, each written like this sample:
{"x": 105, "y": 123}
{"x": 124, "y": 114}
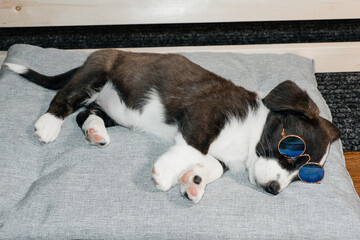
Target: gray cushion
{"x": 69, "y": 189}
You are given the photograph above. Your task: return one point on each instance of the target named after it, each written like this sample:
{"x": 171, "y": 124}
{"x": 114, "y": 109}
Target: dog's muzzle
{"x": 272, "y": 187}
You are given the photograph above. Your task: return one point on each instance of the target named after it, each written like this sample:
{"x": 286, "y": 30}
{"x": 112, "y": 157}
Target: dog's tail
{"x": 50, "y": 82}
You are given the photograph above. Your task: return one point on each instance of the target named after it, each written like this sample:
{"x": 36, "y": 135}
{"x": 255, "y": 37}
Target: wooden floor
{"x": 353, "y": 166}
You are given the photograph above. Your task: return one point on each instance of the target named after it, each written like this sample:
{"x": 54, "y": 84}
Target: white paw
{"x": 169, "y": 167}
{"x": 95, "y": 131}
{"x": 192, "y": 184}
{"x": 48, "y": 127}
{"x": 164, "y": 176}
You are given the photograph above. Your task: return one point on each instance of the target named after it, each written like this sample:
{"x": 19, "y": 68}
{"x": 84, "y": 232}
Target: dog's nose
{"x": 273, "y": 187}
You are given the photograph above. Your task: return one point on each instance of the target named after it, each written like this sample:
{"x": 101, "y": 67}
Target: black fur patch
{"x": 96, "y": 110}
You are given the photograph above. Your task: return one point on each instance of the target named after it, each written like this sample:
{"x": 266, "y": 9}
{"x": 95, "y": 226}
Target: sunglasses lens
{"x": 311, "y": 173}
{"x": 292, "y": 146}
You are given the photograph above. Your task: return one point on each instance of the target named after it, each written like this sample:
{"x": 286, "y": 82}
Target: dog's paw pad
{"x": 95, "y": 131}
{"x": 185, "y": 178}
{"x": 95, "y": 137}
{"x": 192, "y": 186}
{"x": 197, "y": 179}
{"x": 154, "y": 174}
{"x": 192, "y": 191}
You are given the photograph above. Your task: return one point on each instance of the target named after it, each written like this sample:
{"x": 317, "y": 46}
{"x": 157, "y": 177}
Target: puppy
{"x": 215, "y": 125}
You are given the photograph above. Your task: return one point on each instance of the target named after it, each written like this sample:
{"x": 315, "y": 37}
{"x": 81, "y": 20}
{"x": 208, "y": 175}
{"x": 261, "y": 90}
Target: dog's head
{"x": 291, "y": 110}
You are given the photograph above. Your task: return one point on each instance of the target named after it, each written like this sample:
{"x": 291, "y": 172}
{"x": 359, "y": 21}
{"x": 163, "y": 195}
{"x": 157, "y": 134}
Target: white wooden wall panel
{"x": 14, "y": 13}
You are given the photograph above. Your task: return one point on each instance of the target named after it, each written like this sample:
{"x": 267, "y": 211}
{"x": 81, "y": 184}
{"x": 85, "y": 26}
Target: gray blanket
{"x": 69, "y": 189}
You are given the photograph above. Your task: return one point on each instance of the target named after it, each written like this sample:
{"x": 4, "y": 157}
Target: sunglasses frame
{"x": 284, "y": 136}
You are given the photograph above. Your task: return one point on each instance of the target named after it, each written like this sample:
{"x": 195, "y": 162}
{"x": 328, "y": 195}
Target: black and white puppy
{"x": 214, "y": 124}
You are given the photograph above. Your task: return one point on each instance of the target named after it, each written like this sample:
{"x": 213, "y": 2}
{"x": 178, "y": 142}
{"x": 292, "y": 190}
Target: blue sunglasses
{"x": 293, "y": 146}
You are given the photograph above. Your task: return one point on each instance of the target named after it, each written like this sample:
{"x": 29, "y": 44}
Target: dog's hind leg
{"x": 67, "y": 100}
{"x": 94, "y": 121}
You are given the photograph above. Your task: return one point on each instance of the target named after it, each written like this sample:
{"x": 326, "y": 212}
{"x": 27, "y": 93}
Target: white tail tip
{"x": 17, "y": 68}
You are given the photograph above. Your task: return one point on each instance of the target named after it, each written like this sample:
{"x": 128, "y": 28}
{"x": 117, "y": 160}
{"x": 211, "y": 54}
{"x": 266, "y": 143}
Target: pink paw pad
{"x": 155, "y": 174}
{"x": 92, "y": 136}
{"x": 192, "y": 185}
{"x": 193, "y": 191}
{"x": 92, "y": 131}
{"x": 185, "y": 178}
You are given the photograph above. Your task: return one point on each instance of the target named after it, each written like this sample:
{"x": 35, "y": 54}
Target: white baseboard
{"x": 329, "y": 57}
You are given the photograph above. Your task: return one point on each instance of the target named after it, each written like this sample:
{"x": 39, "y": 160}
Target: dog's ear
{"x": 331, "y": 130}
{"x": 289, "y": 97}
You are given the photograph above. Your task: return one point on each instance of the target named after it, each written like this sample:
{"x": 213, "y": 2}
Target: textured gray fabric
{"x": 69, "y": 189}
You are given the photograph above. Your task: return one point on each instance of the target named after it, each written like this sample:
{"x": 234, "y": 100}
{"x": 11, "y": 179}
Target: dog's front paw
{"x": 47, "y": 127}
{"x": 192, "y": 185}
{"x": 163, "y": 176}
{"x": 95, "y": 131}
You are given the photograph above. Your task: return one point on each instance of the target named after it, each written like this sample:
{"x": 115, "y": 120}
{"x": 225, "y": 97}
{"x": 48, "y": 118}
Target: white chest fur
{"x": 236, "y": 144}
